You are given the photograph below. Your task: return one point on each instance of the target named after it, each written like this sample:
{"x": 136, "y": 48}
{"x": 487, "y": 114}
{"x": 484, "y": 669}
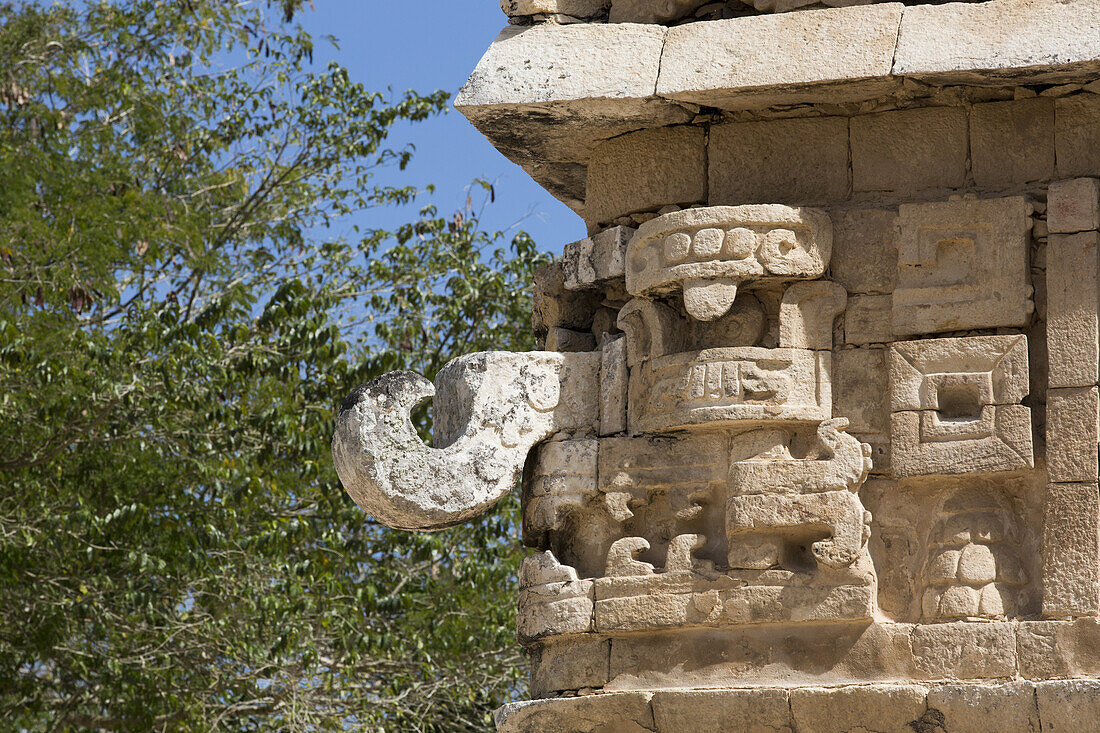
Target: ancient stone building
{"x": 812, "y": 445}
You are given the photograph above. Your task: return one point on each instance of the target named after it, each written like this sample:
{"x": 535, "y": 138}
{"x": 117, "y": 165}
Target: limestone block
{"x": 647, "y": 11}
{"x": 555, "y": 608}
{"x": 652, "y": 329}
{"x": 708, "y": 252}
{"x": 716, "y": 386}
{"x": 543, "y": 568}
{"x": 749, "y": 711}
{"x": 1071, "y": 550}
{"x": 1051, "y": 649}
{"x": 562, "y": 480}
{"x": 869, "y": 320}
{"x": 969, "y": 372}
{"x": 562, "y": 63}
{"x": 755, "y": 162}
{"x": 595, "y": 260}
{"x": 575, "y": 8}
{"x": 807, "y": 312}
{"x": 491, "y": 409}
{"x": 965, "y": 650}
{"x": 1077, "y": 130}
{"x": 885, "y": 708}
{"x": 569, "y": 663}
{"x": 738, "y": 63}
{"x": 839, "y": 513}
{"x": 555, "y": 307}
{"x": 861, "y": 394}
{"x": 776, "y": 604}
{"x": 1012, "y": 142}
{"x": 1073, "y": 433}
{"x": 1073, "y": 295}
{"x": 865, "y": 250}
{"x": 614, "y": 378}
{"x": 566, "y": 341}
{"x": 908, "y": 150}
{"x": 963, "y": 264}
{"x": 645, "y": 171}
{"x": 673, "y": 464}
{"x": 1073, "y": 206}
{"x": 1068, "y": 706}
{"x": 924, "y": 444}
{"x": 619, "y": 712}
{"x": 983, "y": 708}
{"x": 959, "y": 41}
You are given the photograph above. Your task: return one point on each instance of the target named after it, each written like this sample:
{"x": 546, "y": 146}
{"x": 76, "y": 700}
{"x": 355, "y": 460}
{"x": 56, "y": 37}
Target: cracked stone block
{"x": 1073, "y": 295}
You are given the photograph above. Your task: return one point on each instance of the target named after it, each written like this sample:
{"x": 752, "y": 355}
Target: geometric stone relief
{"x": 962, "y": 265}
{"x": 955, "y": 406}
{"x": 706, "y": 253}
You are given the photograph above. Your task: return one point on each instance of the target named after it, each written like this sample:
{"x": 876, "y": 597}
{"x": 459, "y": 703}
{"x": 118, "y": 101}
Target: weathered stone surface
{"x": 645, "y": 171}
{"x": 910, "y": 149}
{"x": 647, "y": 11}
{"x": 706, "y": 253}
{"x": 1067, "y": 705}
{"x": 569, "y": 663}
{"x": 969, "y": 41}
{"x": 555, "y": 307}
{"x": 750, "y": 711}
{"x": 865, "y": 252}
{"x": 575, "y": 8}
{"x": 754, "y": 162}
{"x": 1073, "y": 206}
{"x": 1073, "y": 295}
{"x": 861, "y": 394}
{"x": 1012, "y": 142}
{"x": 869, "y": 320}
{"x": 562, "y": 479}
{"x": 807, "y": 312}
{"x": 616, "y": 713}
{"x": 964, "y": 650}
{"x": 614, "y": 379}
{"x": 969, "y": 372}
{"x": 886, "y": 708}
{"x": 1073, "y": 433}
{"x": 981, "y": 708}
{"x": 555, "y": 608}
{"x": 595, "y": 260}
{"x": 1077, "y": 133}
{"x": 738, "y": 63}
{"x": 1050, "y": 649}
{"x": 963, "y": 264}
{"x": 1071, "y": 550}
{"x": 506, "y": 403}
{"x": 924, "y": 444}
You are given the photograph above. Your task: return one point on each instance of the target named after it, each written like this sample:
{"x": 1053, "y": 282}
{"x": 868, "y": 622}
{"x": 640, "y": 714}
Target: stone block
{"x": 807, "y": 314}
{"x": 555, "y": 608}
{"x": 575, "y": 8}
{"x": 738, "y": 63}
{"x": 647, "y": 11}
{"x": 1051, "y": 649}
{"x": 969, "y": 372}
{"x": 923, "y": 444}
{"x": 1071, "y": 550}
{"x": 593, "y": 261}
{"x": 755, "y": 162}
{"x": 879, "y": 708}
{"x": 1012, "y": 142}
{"x": 1073, "y": 299}
{"x": 569, "y": 664}
{"x": 970, "y": 41}
{"x": 614, "y": 378}
{"x": 645, "y": 171}
{"x": 1073, "y": 433}
{"x": 722, "y": 385}
{"x": 963, "y": 264}
{"x": 555, "y": 307}
{"x": 1073, "y": 206}
{"x": 626, "y": 712}
{"x": 909, "y": 150}
{"x": 984, "y": 708}
{"x": 1068, "y": 706}
{"x": 965, "y": 650}
{"x": 865, "y": 251}
{"x": 868, "y": 320}
{"x": 561, "y": 479}
{"x": 861, "y": 394}
{"x": 1077, "y": 134}
{"x": 748, "y": 711}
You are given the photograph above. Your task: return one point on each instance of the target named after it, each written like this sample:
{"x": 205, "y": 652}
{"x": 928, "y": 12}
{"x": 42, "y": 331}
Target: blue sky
{"x": 428, "y": 45}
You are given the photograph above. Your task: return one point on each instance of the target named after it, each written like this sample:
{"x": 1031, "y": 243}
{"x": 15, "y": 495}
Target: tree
{"x": 177, "y": 323}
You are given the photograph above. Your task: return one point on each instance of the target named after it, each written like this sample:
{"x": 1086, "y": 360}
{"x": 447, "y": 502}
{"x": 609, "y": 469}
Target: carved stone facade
{"x": 812, "y": 444}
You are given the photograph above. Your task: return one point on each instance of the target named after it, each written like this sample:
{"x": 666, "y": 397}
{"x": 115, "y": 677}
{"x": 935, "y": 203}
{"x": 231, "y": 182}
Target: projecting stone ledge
{"x": 546, "y": 95}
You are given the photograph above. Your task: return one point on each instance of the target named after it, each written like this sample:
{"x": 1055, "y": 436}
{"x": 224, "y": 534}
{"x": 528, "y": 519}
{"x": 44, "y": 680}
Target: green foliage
{"x": 176, "y": 326}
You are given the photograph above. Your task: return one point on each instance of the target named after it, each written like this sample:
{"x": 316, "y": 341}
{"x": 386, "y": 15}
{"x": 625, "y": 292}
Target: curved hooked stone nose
{"x": 491, "y": 409}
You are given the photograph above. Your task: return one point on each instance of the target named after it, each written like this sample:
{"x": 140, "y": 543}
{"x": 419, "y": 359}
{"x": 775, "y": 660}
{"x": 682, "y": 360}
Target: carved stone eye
{"x": 708, "y": 243}
{"x": 677, "y": 247}
{"x": 740, "y": 243}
